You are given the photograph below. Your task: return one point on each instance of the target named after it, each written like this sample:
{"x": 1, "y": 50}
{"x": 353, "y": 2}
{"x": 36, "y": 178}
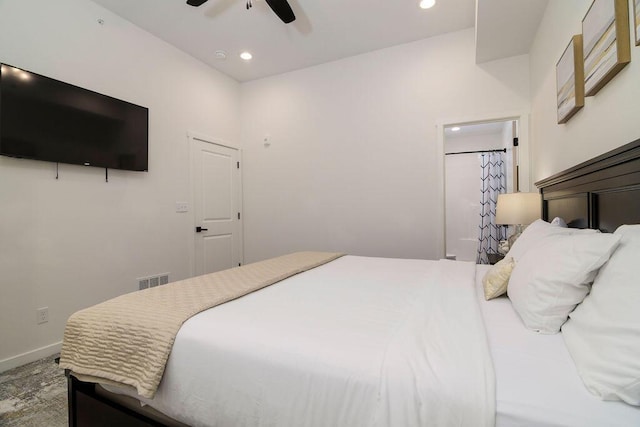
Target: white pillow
{"x": 559, "y": 222}
{"x": 551, "y": 278}
{"x": 538, "y": 230}
{"x": 603, "y": 333}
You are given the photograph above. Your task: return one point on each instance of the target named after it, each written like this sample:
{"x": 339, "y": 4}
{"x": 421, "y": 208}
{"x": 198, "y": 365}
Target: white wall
{"x": 353, "y": 164}
{"x": 72, "y": 242}
{"x": 608, "y": 120}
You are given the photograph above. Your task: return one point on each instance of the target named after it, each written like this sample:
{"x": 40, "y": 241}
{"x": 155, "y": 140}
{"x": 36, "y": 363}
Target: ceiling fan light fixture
{"x": 246, "y": 55}
{"x": 427, "y": 4}
{"x": 196, "y": 3}
{"x": 279, "y": 7}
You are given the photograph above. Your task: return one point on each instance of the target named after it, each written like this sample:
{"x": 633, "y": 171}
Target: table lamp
{"x": 519, "y": 210}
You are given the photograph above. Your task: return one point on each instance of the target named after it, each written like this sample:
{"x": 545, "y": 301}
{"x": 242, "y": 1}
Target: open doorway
{"x": 480, "y": 161}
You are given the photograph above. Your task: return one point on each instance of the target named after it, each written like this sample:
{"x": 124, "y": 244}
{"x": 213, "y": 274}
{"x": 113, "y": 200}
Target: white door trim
{"x": 191, "y": 136}
{"x": 206, "y": 138}
{"x": 524, "y": 159}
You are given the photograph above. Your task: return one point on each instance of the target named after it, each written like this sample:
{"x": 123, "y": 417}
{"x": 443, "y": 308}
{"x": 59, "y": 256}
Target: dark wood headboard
{"x": 601, "y": 193}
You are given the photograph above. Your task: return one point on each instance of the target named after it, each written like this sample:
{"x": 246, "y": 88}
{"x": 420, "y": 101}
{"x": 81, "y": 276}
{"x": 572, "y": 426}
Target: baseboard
{"x": 30, "y": 356}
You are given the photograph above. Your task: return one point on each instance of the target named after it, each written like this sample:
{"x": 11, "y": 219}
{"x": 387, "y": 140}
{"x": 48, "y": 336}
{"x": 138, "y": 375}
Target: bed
{"x": 356, "y": 360}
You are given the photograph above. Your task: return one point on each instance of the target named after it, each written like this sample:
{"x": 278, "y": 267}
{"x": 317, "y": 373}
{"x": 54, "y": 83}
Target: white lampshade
{"x": 518, "y": 208}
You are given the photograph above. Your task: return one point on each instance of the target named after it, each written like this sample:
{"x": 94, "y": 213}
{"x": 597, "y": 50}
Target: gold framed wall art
{"x": 636, "y": 20}
{"x": 606, "y": 47}
{"x": 570, "y": 80}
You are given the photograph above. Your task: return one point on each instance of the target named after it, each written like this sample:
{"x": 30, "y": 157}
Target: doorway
{"x": 480, "y": 161}
{"x": 217, "y": 205}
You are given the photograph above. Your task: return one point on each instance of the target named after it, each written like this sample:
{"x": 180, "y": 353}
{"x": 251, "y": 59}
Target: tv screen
{"x": 46, "y": 119}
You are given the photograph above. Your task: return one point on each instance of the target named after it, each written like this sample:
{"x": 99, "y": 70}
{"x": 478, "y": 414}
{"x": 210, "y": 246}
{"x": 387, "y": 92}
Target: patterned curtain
{"x": 493, "y": 182}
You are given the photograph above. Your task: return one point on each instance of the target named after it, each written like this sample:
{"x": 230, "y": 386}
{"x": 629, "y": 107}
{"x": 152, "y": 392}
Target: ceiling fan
{"x": 280, "y": 7}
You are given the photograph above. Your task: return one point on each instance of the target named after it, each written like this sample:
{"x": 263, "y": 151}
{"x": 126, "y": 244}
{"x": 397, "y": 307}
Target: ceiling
{"x": 476, "y": 129}
{"x": 506, "y": 27}
{"x": 324, "y": 31}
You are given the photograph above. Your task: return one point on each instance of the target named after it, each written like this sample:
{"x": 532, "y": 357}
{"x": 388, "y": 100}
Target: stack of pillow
{"x": 551, "y": 270}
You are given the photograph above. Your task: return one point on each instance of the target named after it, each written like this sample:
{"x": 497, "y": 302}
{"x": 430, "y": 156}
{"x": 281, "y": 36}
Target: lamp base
{"x": 512, "y": 239}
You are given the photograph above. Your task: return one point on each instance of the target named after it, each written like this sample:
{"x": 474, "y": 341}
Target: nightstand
{"x": 494, "y": 258}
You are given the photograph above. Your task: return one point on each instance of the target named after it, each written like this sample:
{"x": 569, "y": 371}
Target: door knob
{"x": 200, "y": 229}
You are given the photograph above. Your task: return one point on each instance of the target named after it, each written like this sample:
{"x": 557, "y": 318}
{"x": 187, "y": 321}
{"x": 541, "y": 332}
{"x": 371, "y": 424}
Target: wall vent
{"x": 153, "y": 281}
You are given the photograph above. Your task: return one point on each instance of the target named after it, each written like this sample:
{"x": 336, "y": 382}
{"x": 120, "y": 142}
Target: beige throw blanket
{"x": 127, "y": 340}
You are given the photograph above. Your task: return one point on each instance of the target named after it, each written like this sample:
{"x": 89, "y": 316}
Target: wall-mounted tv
{"x": 46, "y": 119}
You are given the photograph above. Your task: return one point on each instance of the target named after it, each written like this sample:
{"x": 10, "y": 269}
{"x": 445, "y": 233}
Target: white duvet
{"x": 356, "y": 342}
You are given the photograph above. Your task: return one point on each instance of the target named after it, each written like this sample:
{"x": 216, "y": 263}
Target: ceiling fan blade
{"x": 282, "y": 9}
{"x": 196, "y": 3}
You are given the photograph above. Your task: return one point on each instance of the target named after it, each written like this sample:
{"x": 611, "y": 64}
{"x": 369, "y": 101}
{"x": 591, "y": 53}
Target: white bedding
{"x": 536, "y": 379}
{"x": 357, "y": 342}
{"x": 351, "y": 335}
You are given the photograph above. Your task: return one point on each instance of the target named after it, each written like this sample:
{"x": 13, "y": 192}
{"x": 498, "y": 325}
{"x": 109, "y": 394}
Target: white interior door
{"x": 217, "y": 206}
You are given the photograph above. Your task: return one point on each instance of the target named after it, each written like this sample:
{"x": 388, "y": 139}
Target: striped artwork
{"x": 493, "y": 182}
{"x": 636, "y": 20}
{"x": 606, "y": 50}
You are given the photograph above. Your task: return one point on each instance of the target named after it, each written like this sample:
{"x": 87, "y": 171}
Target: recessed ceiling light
{"x": 426, "y": 4}
{"x": 455, "y": 129}
{"x": 221, "y": 55}
{"x": 246, "y": 56}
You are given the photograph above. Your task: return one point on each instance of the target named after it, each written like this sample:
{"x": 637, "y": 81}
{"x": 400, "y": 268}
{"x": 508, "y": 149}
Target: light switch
{"x": 182, "y": 207}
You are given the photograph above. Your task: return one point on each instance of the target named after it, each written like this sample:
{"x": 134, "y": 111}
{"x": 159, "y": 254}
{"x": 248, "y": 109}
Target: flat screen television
{"x": 46, "y": 119}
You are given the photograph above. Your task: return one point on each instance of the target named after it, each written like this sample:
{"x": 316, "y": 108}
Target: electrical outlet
{"x": 42, "y": 315}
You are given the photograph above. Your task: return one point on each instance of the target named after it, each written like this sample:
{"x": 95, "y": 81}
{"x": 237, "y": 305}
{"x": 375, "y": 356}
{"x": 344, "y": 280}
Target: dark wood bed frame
{"x": 601, "y": 193}
{"x": 88, "y": 408}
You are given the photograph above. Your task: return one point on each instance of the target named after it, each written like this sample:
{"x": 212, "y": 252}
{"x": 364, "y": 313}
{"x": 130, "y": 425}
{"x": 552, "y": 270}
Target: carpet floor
{"x": 34, "y": 395}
